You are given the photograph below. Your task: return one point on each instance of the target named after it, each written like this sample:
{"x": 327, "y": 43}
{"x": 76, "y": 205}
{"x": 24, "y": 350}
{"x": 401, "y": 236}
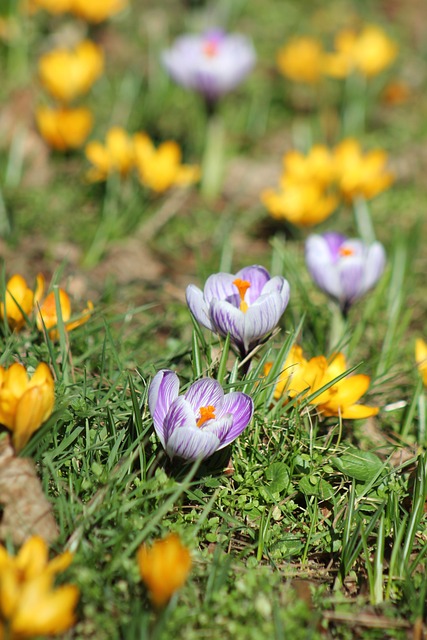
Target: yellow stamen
{"x": 206, "y": 413}
{"x": 346, "y": 251}
{"x": 242, "y": 286}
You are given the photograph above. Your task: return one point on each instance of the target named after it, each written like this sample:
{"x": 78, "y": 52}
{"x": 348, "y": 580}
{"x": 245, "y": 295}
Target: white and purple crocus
{"x": 247, "y": 305}
{"x": 212, "y": 63}
{"x": 199, "y": 422}
{"x": 342, "y": 267}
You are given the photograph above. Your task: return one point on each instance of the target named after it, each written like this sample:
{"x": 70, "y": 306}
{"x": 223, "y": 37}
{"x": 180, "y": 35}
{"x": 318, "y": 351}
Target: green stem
{"x": 213, "y": 158}
{"x": 363, "y": 220}
{"x": 338, "y": 330}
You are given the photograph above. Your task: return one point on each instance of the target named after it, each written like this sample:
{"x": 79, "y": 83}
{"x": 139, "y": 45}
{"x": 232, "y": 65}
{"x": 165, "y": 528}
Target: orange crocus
{"x": 303, "y": 378}
{"x": 164, "y": 568}
{"x": 47, "y": 316}
{"x": 160, "y": 169}
{"x": 30, "y": 604}
{"x": 421, "y": 358}
{"x": 20, "y": 300}
{"x": 64, "y": 128}
{"x": 25, "y": 403}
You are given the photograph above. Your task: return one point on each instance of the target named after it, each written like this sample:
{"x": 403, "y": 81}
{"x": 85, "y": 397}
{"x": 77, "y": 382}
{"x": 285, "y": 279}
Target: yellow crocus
{"x": 164, "y": 568}
{"x": 421, "y": 358}
{"x": 160, "y": 169}
{"x": 300, "y": 60}
{"x": 301, "y": 203}
{"x": 97, "y": 10}
{"x": 361, "y": 174}
{"x": 301, "y": 377}
{"x": 317, "y": 165}
{"x": 117, "y": 155}
{"x": 47, "y": 316}
{"x": 25, "y": 403}
{"x": 368, "y": 52}
{"x": 30, "y": 605}
{"x": 64, "y": 128}
{"x": 19, "y": 300}
{"x": 67, "y": 74}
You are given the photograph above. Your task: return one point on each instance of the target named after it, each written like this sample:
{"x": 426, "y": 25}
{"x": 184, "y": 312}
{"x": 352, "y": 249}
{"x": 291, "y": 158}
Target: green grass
{"x": 319, "y": 531}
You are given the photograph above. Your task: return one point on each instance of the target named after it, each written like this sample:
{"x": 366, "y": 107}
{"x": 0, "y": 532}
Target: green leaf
{"x": 315, "y": 486}
{"x": 278, "y": 478}
{"x": 360, "y": 465}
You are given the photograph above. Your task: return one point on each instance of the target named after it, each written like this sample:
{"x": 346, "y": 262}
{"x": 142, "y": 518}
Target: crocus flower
{"x": 421, "y": 358}
{"x": 368, "y": 52}
{"x": 160, "y": 169}
{"x": 361, "y": 174}
{"x": 247, "y": 305}
{"x": 47, "y": 316}
{"x": 64, "y": 128}
{"x": 96, "y": 11}
{"x": 117, "y": 155}
{"x": 344, "y": 268}
{"x": 30, "y": 605}
{"x": 302, "y": 378}
{"x": 25, "y": 403}
{"x": 201, "y": 421}
{"x": 164, "y": 567}
{"x": 306, "y": 194}
{"x": 300, "y": 60}
{"x": 67, "y": 74}
{"x": 304, "y": 204}
{"x": 19, "y": 300}
{"x": 212, "y": 64}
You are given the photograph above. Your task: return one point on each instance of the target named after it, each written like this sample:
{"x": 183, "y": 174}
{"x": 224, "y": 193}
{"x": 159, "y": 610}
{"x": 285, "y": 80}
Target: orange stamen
{"x": 210, "y": 49}
{"x": 346, "y": 251}
{"x": 206, "y": 413}
{"x": 242, "y": 286}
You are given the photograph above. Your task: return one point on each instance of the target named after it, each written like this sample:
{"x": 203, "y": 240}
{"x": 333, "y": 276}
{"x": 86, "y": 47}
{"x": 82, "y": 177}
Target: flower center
{"x": 345, "y": 252}
{"x": 206, "y": 413}
{"x": 242, "y": 286}
{"x": 210, "y": 48}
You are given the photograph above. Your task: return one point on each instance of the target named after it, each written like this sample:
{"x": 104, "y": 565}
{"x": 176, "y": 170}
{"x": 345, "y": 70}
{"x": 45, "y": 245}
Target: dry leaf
{"x": 25, "y": 509}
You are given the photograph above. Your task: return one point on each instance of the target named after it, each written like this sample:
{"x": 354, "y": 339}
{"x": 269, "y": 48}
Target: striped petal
{"x": 228, "y": 319}
{"x": 198, "y": 306}
{"x": 241, "y": 407}
{"x": 203, "y": 393}
{"x": 164, "y": 389}
{"x": 192, "y": 443}
{"x": 180, "y": 415}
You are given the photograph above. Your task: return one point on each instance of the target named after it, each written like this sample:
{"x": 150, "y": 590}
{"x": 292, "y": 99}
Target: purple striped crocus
{"x": 247, "y": 305}
{"x": 201, "y": 421}
{"x": 344, "y": 268}
{"x": 212, "y": 63}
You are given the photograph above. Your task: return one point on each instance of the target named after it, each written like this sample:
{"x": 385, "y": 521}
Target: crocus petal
{"x": 180, "y": 415}
{"x": 219, "y": 286}
{"x": 374, "y": 266}
{"x": 163, "y": 391}
{"x": 351, "y": 273}
{"x": 358, "y": 412}
{"x": 221, "y": 429}
{"x": 192, "y": 443}
{"x": 258, "y": 277}
{"x": 349, "y": 390}
{"x": 203, "y": 393}
{"x": 228, "y": 319}
{"x": 262, "y": 317}
{"x": 198, "y": 307}
{"x": 241, "y": 407}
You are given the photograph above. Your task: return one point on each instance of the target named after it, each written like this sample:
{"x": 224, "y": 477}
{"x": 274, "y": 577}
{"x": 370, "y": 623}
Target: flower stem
{"x": 338, "y": 329}
{"x": 213, "y": 157}
{"x": 363, "y": 220}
